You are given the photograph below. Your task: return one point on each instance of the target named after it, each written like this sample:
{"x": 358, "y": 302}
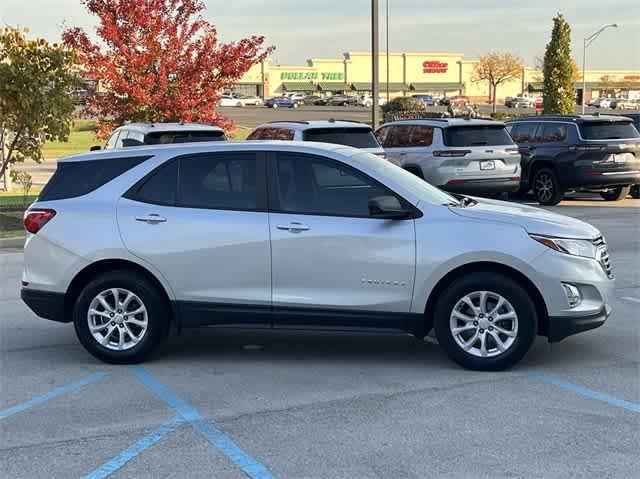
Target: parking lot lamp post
{"x": 387, "y": 33}
{"x": 375, "y": 60}
{"x": 588, "y": 41}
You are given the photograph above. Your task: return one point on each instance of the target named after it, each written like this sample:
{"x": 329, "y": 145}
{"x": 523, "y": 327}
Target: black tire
{"x": 157, "y": 311}
{"x": 546, "y": 188}
{"x": 506, "y": 287}
{"x": 635, "y": 192}
{"x": 616, "y": 194}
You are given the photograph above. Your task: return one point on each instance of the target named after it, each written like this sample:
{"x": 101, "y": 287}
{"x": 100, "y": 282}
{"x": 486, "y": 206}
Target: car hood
{"x": 533, "y": 220}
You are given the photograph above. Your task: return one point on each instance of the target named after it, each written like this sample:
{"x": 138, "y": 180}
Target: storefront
{"x": 411, "y": 73}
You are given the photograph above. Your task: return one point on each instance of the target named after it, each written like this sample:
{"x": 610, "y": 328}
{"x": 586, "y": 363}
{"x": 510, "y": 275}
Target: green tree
{"x": 558, "y": 71}
{"x": 35, "y": 105}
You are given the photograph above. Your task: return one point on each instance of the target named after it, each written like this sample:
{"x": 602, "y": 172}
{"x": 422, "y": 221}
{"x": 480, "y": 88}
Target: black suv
{"x": 577, "y": 152}
{"x": 635, "y": 189}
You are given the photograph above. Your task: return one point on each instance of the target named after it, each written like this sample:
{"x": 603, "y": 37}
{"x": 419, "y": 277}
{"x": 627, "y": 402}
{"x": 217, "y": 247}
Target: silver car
{"x": 125, "y": 243}
{"x": 458, "y": 155}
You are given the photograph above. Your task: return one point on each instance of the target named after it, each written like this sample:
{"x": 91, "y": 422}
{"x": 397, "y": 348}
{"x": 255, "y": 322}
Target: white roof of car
{"x": 306, "y": 125}
{"x": 151, "y": 127}
{"x": 445, "y": 122}
{"x": 172, "y": 149}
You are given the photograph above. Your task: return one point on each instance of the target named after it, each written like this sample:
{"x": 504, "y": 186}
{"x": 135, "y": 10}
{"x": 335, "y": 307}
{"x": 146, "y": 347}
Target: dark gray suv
{"x": 577, "y": 152}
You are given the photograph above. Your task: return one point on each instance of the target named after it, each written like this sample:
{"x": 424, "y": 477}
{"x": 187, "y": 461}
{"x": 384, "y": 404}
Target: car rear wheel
{"x": 485, "y": 321}
{"x": 635, "y": 191}
{"x": 120, "y": 317}
{"x": 295, "y": 105}
{"x": 616, "y": 194}
{"x": 546, "y": 187}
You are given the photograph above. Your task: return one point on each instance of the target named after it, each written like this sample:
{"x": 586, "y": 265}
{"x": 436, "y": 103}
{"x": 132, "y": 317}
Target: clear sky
{"x": 327, "y": 28}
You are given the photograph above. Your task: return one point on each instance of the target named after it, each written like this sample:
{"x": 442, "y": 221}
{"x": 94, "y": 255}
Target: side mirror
{"x": 129, "y": 142}
{"x": 388, "y": 207}
{"x": 95, "y": 148}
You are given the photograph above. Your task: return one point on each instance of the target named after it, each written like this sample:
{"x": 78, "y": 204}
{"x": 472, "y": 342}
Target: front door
{"x": 333, "y": 264}
{"x": 201, "y": 221}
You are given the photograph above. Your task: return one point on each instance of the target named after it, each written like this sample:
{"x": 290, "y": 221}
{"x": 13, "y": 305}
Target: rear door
{"x": 485, "y": 151}
{"x": 201, "y": 221}
{"x": 395, "y": 143}
{"x": 333, "y": 264}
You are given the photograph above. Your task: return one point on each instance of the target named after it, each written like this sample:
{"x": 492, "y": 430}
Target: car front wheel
{"x": 485, "y": 321}
{"x": 120, "y": 317}
{"x": 546, "y": 187}
{"x": 616, "y": 194}
{"x": 635, "y": 191}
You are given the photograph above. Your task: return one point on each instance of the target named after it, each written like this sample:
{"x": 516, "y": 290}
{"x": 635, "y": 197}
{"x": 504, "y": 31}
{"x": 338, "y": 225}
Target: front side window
{"x": 355, "y": 137}
{"x": 218, "y": 181}
{"x": 159, "y": 188}
{"x": 314, "y": 185}
{"x": 112, "y": 141}
{"x": 124, "y": 134}
{"x": 477, "y": 135}
{"x": 381, "y": 134}
{"x": 608, "y": 130}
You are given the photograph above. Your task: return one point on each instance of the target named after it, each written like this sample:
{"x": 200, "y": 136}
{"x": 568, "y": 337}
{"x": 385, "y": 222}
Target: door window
{"x": 421, "y": 135}
{"x": 123, "y": 134}
{"x": 318, "y": 186}
{"x": 218, "y": 181}
{"x": 553, "y": 132}
{"x": 524, "y": 132}
{"x": 272, "y": 134}
{"x": 159, "y": 188}
{"x": 398, "y": 136}
{"x": 112, "y": 141}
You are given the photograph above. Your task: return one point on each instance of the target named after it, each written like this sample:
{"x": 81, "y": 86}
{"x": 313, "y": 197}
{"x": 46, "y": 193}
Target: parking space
{"x": 232, "y": 403}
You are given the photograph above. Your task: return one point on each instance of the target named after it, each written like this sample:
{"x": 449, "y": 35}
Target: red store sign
{"x": 434, "y": 66}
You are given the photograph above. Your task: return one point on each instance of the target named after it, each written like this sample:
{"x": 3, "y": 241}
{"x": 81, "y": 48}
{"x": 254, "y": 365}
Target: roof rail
{"x": 302, "y": 122}
{"x": 333, "y": 120}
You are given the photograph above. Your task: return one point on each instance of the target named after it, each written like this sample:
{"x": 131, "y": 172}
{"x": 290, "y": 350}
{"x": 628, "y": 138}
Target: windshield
{"x": 410, "y": 182}
{"x": 355, "y": 137}
{"x": 167, "y": 137}
{"x": 477, "y": 135}
{"x": 607, "y": 130}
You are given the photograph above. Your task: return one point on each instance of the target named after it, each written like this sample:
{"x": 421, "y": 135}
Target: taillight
{"x": 586, "y": 147}
{"x": 34, "y": 220}
{"x": 451, "y": 153}
{"x": 513, "y": 150}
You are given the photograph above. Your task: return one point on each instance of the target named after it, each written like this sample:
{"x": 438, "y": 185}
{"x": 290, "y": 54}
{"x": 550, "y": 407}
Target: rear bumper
{"x": 561, "y": 327}
{"x": 46, "y": 304}
{"x": 483, "y": 186}
{"x": 591, "y": 178}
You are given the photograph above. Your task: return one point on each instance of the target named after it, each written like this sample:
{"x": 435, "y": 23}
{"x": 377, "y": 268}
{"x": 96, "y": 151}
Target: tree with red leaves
{"x": 159, "y": 60}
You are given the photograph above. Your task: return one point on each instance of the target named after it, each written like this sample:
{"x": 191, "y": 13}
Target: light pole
{"x": 387, "y": 32}
{"x": 588, "y": 41}
{"x": 375, "y": 52}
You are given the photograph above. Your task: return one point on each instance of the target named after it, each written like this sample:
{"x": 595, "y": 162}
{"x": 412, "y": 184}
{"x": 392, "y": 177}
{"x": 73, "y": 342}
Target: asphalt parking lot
{"x": 233, "y": 403}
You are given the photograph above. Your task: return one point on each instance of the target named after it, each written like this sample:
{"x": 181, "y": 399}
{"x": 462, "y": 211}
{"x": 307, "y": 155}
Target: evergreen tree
{"x": 559, "y": 96}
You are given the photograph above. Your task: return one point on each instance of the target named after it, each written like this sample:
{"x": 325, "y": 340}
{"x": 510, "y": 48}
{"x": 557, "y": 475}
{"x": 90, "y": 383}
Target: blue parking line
{"x": 614, "y": 401}
{"x": 217, "y": 438}
{"x": 134, "y": 450}
{"x": 52, "y": 394}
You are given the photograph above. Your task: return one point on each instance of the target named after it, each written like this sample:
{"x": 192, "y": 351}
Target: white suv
{"x": 140, "y": 134}
{"x": 339, "y": 132}
{"x": 124, "y": 243}
{"x": 458, "y": 155}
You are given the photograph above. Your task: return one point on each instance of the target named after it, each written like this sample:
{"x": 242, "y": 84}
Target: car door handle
{"x": 293, "y": 227}
{"x": 151, "y": 219}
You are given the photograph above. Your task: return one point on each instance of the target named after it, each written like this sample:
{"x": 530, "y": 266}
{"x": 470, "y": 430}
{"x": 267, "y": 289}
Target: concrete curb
{"x": 17, "y": 242}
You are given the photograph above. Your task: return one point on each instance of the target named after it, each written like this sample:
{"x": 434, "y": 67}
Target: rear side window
{"x": 595, "y": 130}
{"x": 355, "y": 137}
{"x": 282, "y": 134}
{"x": 171, "y": 137}
{"x": 524, "y": 132}
{"x": 553, "y": 132}
{"x": 421, "y": 135}
{"x": 477, "y": 135}
{"x": 77, "y": 178}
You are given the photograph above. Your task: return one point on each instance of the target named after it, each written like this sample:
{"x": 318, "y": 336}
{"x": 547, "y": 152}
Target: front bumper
{"x": 46, "y": 304}
{"x": 561, "y": 327}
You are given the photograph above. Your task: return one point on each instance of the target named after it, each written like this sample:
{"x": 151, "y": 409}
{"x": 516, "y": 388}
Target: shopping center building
{"x": 415, "y": 73}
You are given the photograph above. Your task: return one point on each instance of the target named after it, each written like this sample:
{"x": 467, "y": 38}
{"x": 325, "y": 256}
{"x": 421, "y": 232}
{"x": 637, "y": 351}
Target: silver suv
{"x": 124, "y": 243}
{"x": 458, "y": 155}
{"x": 338, "y": 132}
{"x": 139, "y": 134}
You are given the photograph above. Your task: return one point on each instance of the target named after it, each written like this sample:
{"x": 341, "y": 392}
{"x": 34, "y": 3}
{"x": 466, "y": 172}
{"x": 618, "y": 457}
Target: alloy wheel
{"x": 117, "y": 319}
{"x": 544, "y": 187}
{"x": 484, "y": 324}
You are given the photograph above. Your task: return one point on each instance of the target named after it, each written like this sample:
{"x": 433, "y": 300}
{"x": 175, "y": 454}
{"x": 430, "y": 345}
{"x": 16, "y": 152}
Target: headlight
{"x": 575, "y": 247}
